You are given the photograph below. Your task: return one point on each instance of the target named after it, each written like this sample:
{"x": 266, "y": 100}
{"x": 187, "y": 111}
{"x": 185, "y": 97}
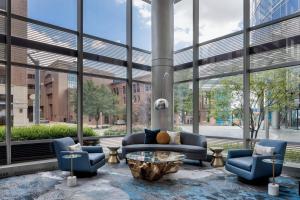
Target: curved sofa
{"x": 194, "y": 146}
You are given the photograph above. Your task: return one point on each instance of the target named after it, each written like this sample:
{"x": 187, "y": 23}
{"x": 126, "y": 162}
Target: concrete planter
{"x": 34, "y": 149}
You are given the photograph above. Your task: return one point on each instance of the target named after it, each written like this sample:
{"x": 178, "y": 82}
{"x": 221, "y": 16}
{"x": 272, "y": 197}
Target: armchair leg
{"x": 200, "y": 163}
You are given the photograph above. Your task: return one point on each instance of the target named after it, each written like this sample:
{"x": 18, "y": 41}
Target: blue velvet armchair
{"x": 92, "y": 157}
{"x": 251, "y": 167}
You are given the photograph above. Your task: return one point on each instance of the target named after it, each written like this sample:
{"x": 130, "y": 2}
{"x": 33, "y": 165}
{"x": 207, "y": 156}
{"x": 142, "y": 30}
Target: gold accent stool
{"x": 217, "y": 157}
{"x": 152, "y": 166}
{"x": 113, "y": 155}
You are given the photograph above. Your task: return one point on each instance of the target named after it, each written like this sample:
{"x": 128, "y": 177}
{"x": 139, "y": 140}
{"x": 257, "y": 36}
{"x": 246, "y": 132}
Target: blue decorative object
{"x": 150, "y": 136}
{"x": 251, "y": 167}
{"x": 92, "y": 157}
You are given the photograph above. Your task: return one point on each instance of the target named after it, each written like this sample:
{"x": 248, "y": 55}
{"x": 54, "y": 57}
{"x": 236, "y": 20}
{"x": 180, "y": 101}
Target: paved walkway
{"x": 237, "y": 132}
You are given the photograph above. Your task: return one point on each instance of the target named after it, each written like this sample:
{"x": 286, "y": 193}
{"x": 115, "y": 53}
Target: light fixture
{"x": 161, "y": 104}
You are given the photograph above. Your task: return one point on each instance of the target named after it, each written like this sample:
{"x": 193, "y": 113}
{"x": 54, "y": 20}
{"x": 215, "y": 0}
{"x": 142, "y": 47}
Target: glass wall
{"x": 183, "y": 24}
{"x": 49, "y": 11}
{"x": 264, "y": 10}
{"x": 104, "y": 106}
{"x": 183, "y": 107}
{"x": 55, "y": 94}
{"x": 218, "y": 18}
{"x": 101, "y": 17}
{"x": 275, "y": 107}
{"x": 220, "y": 104}
{"x": 2, "y": 115}
{"x": 141, "y": 106}
{"x": 141, "y": 22}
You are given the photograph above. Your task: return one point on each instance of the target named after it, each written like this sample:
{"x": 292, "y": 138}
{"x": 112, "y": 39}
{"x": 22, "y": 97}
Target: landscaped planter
{"x": 34, "y": 149}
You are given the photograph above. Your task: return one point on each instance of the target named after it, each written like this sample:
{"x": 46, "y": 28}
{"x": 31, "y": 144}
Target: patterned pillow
{"x": 75, "y": 147}
{"x": 174, "y": 137}
{"x": 263, "y": 150}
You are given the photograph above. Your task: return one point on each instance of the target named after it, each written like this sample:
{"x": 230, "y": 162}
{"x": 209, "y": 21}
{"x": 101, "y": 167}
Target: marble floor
{"x": 115, "y": 182}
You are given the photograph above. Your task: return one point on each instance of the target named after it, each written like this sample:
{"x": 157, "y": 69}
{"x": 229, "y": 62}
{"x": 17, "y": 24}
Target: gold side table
{"x": 113, "y": 155}
{"x": 217, "y": 157}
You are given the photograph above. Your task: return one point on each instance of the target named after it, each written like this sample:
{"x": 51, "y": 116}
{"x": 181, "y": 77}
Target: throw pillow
{"x": 75, "y": 147}
{"x": 263, "y": 150}
{"x": 174, "y": 137}
{"x": 150, "y": 136}
{"x": 163, "y": 137}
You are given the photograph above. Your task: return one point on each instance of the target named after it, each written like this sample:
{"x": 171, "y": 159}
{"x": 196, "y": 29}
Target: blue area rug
{"x": 116, "y": 182}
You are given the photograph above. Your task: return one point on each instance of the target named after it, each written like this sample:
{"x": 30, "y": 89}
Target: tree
{"x": 183, "y": 100}
{"x": 97, "y": 100}
{"x": 273, "y": 90}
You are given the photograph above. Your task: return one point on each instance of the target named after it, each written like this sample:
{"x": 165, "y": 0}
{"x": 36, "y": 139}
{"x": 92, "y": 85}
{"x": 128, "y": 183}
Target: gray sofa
{"x": 194, "y": 146}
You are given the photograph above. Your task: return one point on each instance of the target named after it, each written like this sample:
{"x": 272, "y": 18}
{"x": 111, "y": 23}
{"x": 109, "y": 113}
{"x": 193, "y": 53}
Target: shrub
{"x": 121, "y": 130}
{"x": 38, "y": 132}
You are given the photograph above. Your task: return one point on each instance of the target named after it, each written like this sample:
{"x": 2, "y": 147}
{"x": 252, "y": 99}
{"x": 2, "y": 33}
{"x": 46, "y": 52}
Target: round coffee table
{"x": 152, "y": 165}
{"x": 217, "y": 157}
{"x": 71, "y": 180}
{"x": 113, "y": 155}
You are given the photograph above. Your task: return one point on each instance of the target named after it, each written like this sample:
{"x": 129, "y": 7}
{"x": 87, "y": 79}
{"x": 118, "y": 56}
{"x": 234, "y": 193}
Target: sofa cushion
{"x": 150, "y": 136}
{"x": 164, "y": 147}
{"x": 241, "y": 162}
{"x": 263, "y": 150}
{"x": 96, "y": 157}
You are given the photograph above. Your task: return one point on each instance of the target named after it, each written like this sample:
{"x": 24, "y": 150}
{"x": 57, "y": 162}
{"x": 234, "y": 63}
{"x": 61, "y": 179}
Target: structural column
{"x": 195, "y": 66}
{"x": 162, "y": 62}
{"x": 129, "y": 66}
{"x": 8, "y": 99}
{"x": 246, "y": 75}
{"x": 80, "y": 71}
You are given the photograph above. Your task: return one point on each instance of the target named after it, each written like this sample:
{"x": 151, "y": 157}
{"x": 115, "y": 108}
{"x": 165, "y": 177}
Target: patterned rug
{"x": 116, "y": 182}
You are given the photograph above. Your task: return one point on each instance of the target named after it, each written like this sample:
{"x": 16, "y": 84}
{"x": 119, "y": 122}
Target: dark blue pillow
{"x": 150, "y": 136}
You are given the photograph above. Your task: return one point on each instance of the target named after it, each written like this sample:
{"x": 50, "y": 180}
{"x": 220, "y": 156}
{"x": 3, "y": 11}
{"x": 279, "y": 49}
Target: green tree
{"x": 183, "y": 99}
{"x": 273, "y": 90}
{"x": 97, "y": 100}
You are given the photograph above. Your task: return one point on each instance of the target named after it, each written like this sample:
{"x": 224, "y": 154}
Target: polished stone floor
{"x": 115, "y": 182}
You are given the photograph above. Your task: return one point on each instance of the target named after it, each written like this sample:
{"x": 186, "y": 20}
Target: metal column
{"x": 162, "y": 62}
{"x": 246, "y": 75}
{"x": 129, "y": 66}
{"x": 195, "y": 66}
{"x": 80, "y": 71}
{"x": 8, "y": 99}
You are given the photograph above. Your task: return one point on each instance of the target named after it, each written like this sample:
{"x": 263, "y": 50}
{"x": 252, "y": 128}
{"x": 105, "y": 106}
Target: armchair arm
{"x": 263, "y": 169}
{"x": 239, "y": 153}
{"x": 92, "y": 149}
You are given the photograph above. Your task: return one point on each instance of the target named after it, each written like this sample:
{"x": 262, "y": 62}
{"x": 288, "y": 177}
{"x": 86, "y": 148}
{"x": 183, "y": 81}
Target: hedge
{"x": 38, "y": 132}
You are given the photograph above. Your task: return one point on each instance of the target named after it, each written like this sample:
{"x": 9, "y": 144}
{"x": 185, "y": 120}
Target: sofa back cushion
{"x": 190, "y": 139}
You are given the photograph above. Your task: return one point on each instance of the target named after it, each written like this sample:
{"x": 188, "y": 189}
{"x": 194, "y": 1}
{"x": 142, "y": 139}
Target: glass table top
{"x": 155, "y": 156}
{"x": 72, "y": 155}
{"x": 276, "y": 161}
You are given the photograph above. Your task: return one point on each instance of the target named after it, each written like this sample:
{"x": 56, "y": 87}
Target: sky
{"x": 107, "y": 19}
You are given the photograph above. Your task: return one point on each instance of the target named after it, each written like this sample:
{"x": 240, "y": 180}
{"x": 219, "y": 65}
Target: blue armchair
{"x": 92, "y": 157}
{"x": 243, "y": 164}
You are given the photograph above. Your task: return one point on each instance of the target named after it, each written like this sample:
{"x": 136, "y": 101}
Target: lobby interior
{"x": 149, "y": 99}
